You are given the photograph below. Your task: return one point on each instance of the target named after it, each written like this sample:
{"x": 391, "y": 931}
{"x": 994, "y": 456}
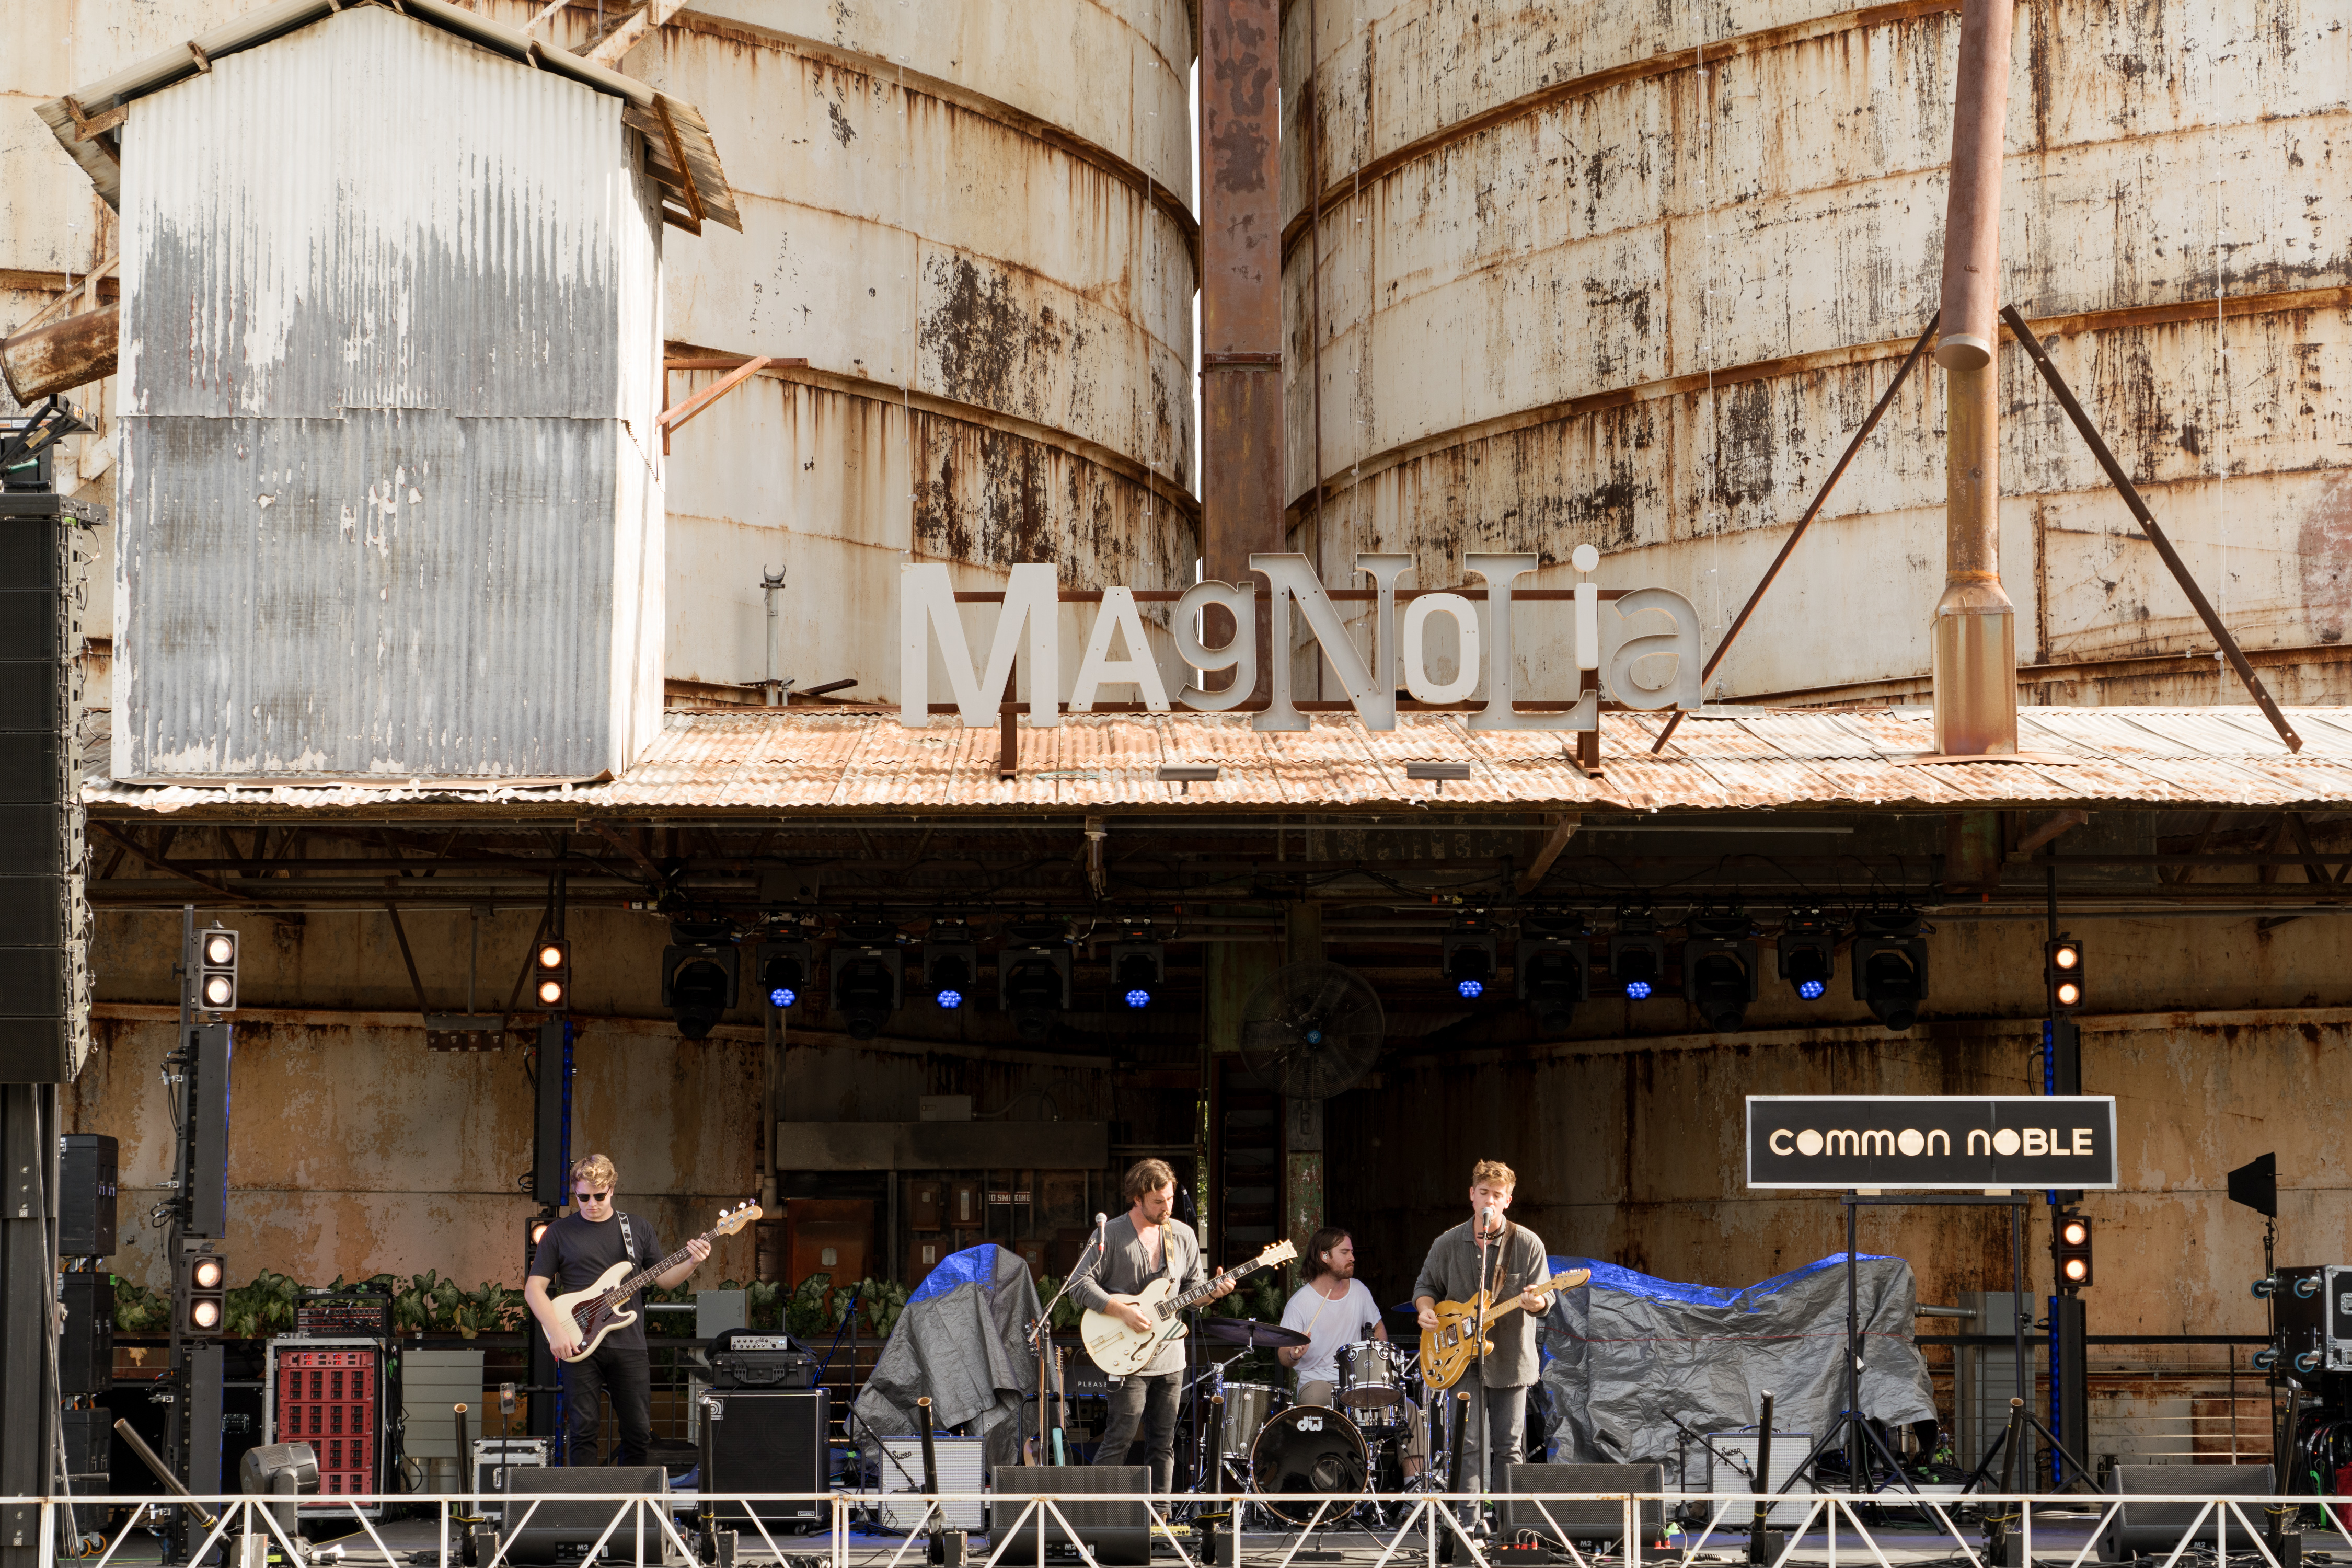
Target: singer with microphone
{"x": 1488, "y": 1252}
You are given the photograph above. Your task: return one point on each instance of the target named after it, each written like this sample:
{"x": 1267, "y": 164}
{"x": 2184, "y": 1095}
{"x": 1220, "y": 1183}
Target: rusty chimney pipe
{"x": 1974, "y": 636}
{"x": 1241, "y": 292}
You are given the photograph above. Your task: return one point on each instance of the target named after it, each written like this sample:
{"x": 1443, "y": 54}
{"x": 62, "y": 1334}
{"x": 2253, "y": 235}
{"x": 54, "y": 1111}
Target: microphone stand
{"x": 1486, "y": 1249}
{"x": 1041, "y": 1332}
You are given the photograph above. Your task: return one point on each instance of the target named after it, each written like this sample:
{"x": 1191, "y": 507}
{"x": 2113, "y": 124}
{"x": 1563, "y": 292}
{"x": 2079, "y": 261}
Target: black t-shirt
{"x": 574, "y": 1252}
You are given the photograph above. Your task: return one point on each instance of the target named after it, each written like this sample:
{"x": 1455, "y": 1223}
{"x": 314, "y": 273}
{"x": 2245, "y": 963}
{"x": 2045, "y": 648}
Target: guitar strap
{"x": 628, "y": 1240}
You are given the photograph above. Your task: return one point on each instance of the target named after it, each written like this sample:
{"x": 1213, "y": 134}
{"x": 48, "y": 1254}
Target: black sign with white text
{"x": 1912, "y": 1142}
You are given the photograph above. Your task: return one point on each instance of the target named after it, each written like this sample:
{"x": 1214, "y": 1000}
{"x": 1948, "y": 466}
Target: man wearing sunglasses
{"x": 573, "y": 1253}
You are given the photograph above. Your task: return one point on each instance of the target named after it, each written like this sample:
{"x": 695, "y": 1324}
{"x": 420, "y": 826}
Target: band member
{"x": 1505, "y": 1259}
{"x": 1334, "y": 1309}
{"x": 573, "y": 1253}
{"x": 1146, "y": 1242}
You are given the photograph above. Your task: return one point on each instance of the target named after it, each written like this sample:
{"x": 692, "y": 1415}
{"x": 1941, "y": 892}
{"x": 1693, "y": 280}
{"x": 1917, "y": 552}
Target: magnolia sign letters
{"x": 1663, "y": 623}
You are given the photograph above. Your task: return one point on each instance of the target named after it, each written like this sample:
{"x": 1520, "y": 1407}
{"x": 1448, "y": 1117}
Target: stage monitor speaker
{"x": 1117, "y": 1529}
{"x": 2154, "y": 1529}
{"x": 770, "y": 1440}
{"x": 1521, "y": 1520}
{"x": 552, "y": 1524}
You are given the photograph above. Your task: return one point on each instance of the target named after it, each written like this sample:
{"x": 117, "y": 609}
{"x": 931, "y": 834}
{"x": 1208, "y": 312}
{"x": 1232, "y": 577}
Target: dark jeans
{"x": 1148, "y": 1402}
{"x": 1500, "y": 1414}
{"x": 626, "y": 1374}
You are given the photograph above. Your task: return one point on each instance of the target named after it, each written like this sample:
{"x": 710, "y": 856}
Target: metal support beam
{"x": 28, "y": 1403}
{"x": 2148, "y": 526}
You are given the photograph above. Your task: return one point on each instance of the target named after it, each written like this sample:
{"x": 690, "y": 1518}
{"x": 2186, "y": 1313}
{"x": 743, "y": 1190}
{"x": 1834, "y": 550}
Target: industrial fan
{"x": 1312, "y": 1029}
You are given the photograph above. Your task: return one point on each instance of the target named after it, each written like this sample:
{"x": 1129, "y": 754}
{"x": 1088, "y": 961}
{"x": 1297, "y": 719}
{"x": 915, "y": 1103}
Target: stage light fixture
{"x": 698, "y": 981}
{"x": 1890, "y": 968}
{"x": 1138, "y": 971}
{"x": 552, "y": 974}
{"x": 202, "y": 1294}
{"x": 1468, "y": 958}
{"x": 1554, "y": 972}
{"x": 868, "y": 969}
{"x": 1808, "y": 954}
{"x": 1637, "y": 957}
{"x": 2255, "y": 1185}
{"x": 784, "y": 971}
{"x": 950, "y": 965}
{"x": 2070, "y": 1250}
{"x": 533, "y": 1229}
{"x": 1032, "y": 977}
{"x": 2062, "y": 965}
{"x": 216, "y": 969}
{"x": 1719, "y": 960}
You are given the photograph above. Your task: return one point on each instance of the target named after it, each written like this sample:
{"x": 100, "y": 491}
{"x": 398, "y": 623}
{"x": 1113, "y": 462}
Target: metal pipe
{"x": 1969, "y": 330}
{"x": 772, "y": 583}
{"x": 61, "y": 355}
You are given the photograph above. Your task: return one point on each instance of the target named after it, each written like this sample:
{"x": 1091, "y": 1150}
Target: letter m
{"x": 1880, "y": 1142}
{"x": 927, "y": 606}
{"x": 1842, "y": 1141}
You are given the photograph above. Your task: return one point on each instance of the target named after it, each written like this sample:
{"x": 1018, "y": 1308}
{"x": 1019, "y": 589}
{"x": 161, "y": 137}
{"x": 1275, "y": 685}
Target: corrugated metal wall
{"x": 972, "y": 221}
{"x": 380, "y": 409}
{"x": 1633, "y": 276}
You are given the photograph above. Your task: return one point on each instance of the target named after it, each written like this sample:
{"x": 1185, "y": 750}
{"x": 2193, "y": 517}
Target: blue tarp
{"x": 1627, "y": 1350}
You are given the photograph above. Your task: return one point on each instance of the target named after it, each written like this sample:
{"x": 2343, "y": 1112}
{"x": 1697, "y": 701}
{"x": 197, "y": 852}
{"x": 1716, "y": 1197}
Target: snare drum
{"x": 1248, "y": 1407}
{"x": 1309, "y": 1449}
{"x": 1372, "y": 1376}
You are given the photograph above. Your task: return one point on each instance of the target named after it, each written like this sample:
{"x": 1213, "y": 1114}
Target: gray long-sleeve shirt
{"x": 1450, "y": 1273}
{"x": 1125, "y": 1270}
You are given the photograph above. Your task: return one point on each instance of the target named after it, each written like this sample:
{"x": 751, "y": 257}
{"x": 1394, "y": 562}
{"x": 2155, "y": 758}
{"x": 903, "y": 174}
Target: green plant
{"x": 1066, "y": 1311}
{"x": 138, "y": 1310}
{"x": 262, "y": 1307}
{"x": 809, "y": 1312}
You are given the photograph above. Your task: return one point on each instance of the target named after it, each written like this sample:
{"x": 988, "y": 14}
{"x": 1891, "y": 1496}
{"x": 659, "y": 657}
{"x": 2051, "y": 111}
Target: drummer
{"x": 1335, "y": 1309}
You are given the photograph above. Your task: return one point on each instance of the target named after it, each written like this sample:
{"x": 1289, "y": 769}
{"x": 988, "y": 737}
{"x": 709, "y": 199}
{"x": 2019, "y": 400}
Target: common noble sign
{"x": 1928, "y": 1142}
{"x": 1645, "y": 623}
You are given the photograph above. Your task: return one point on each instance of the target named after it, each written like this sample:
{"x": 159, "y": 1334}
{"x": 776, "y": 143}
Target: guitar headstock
{"x": 1280, "y": 1252}
{"x": 735, "y": 1219}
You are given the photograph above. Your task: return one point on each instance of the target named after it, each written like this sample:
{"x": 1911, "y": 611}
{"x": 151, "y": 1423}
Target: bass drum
{"x": 1311, "y": 1449}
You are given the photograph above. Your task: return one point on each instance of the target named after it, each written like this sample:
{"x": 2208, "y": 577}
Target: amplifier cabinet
{"x": 963, "y": 1467}
{"x": 335, "y": 1395}
{"x": 769, "y": 1440}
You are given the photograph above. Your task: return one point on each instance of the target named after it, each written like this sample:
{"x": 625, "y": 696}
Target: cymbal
{"x": 1251, "y": 1333}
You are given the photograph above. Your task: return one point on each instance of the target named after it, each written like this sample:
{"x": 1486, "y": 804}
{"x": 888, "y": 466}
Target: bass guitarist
{"x": 574, "y": 1252}
{"x": 1488, "y": 1252}
{"x": 1146, "y": 1242}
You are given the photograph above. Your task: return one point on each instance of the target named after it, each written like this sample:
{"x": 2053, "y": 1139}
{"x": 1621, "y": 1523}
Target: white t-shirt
{"x": 1329, "y": 1324}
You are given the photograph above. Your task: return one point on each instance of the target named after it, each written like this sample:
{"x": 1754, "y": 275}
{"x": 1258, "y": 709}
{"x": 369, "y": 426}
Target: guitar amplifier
{"x": 770, "y": 1440}
{"x": 741, "y": 1359}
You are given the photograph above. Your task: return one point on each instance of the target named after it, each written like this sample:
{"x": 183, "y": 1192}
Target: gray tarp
{"x": 1626, "y": 1350}
{"x": 961, "y": 1340}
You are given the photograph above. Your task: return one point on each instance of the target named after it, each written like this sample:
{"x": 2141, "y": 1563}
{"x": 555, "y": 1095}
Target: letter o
{"x": 2006, "y": 1142}
{"x": 1911, "y": 1141}
{"x": 1808, "y": 1142}
{"x": 1465, "y": 615}
{"x": 1774, "y": 1141}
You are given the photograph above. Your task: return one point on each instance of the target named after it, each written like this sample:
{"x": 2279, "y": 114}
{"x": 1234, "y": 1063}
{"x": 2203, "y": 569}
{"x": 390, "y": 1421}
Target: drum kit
{"x": 1276, "y": 1449}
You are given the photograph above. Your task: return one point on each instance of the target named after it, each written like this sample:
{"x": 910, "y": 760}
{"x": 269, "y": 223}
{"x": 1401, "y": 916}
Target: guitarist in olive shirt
{"x": 1505, "y": 1259}
{"x": 573, "y": 1253}
{"x": 1146, "y": 1242}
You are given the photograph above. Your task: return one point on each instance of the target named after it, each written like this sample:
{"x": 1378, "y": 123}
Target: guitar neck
{"x": 1202, "y": 1291}
{"x": 1507, "y": 1308}
{"x": 648, "y": 1274}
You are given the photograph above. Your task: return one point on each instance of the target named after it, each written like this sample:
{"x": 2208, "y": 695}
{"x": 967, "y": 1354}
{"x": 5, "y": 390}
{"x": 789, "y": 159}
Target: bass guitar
{"x": 604, "y": 1307}
{"x": 1122, "y": 1351}
{"x": 1450, "y": 1349}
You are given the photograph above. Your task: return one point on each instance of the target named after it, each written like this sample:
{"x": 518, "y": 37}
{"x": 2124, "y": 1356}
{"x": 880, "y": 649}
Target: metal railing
{"x": 1416, "y": 1527}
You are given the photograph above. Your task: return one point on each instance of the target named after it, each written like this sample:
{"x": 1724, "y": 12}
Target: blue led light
{"x": 1639, "y": 990}
{"x": 1139, "y": 998}
{"x": 951, "y": 998}
{"x": 1811, "y": 989}
{"x": 783, "y": 996}
{"x": 1470, "y": 988}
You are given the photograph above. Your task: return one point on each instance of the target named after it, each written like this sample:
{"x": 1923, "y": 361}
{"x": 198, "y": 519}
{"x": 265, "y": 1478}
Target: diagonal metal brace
{"x": 1820, "y": 496}
{"x": 2130, "y": 492}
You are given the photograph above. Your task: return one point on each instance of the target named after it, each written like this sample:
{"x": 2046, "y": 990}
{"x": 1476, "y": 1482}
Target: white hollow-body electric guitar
{"x": 602, "y": 1307}
{"x": 1123, "y": 1352}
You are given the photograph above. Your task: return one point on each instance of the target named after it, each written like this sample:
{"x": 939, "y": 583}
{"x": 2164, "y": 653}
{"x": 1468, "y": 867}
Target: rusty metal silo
{"x": 1631, "y": 276}
{"x": 974, "y": 224}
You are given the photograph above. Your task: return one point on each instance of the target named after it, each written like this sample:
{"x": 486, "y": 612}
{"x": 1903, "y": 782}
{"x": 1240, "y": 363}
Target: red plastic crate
{"x": 333, "y": 1400}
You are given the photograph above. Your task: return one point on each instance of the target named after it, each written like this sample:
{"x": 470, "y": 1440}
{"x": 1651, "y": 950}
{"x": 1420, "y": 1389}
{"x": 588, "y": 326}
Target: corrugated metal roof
{"x": 656, "y": 114}
{"x": 863, "y": 762}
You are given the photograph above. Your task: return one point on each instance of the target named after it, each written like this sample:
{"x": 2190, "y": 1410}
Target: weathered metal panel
{"x": 1549, "y": 226}
{"x": 389, "y": 503}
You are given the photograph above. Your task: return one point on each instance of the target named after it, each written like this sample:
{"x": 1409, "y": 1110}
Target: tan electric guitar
{"x": 1451, "y": 1349}
{"x": 604, "y": 1305}
{"x": 1123, "y": 1352}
